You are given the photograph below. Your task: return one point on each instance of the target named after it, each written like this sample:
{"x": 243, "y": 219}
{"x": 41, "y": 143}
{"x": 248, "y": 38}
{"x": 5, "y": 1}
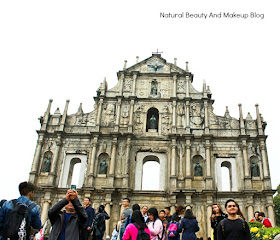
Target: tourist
{"x": 256, "y": 217}
{"x": 91, "y": 215}
{"x": 144, "y": 213}
{"x": 134, "y": 208}
{"x": 73, "y": 218}
{"x": 26, "y": 190}
{"x": 168, "y": 215}
{"x": 233, "y": 227}
{"x": 99, "y": 223}
{"x": 125, "y": 214}
{"x": 179, "y": 211}
{"x": 155, "y": 225}
{"x": 265, "y": 221}
{"x": 161, "y": 215}
{"x": 189, "y": 226}
{"x": 137, "y": 224}
{"x": 173, "y": 229}
{"x": 216, "y": 217}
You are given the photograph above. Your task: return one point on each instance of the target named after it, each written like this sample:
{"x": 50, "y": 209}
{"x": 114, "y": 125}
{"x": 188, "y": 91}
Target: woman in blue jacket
{"x": 189, "y": 225}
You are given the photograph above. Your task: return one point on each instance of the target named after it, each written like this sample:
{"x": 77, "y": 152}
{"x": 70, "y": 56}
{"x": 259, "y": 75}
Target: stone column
{"x": 173, "y": 177}
{"x": 121, "y": 84}
{"x": 259, "y": 121}
{"x": 206, "y": 117}
{"x": 98, "y": 117}
{"x": 271, "y": 215}
{"x": 130, "y": 123}
{"x": 267, "y": 182}
{"x": 209, "y": 213}
{"x": 46, "y": 116}
{"x": 174, "y": 85}
{"x": 250, "y": 212}
{"x": 127, "y": 162}
{"x": 92, "y": 162}
{"x": 209, "y": 184}
{"x": 108, "y": 210}
{"x": 63, "y": 119}
{"x": 247, "y": 178}
{"x": 112, "y": 163}
{"x": 188, "y": 181}
{"x": 36, "y": 160}
{"x": 188, "y": 131}
{"x": 52, "y": 174}
{"x": 187, "y": 86}
{"x": 134, "y": 84}
{"x": 174, "y": 117}
{"x": 45, "y": 209}
{"x": 116, "y": 128}
{"x": 241, "y": 120}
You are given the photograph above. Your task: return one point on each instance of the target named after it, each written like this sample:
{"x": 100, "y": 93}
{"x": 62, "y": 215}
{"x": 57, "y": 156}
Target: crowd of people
{"x": 20, "y": 219}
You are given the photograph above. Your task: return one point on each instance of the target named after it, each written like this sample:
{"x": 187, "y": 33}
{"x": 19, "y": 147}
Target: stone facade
{"x": 154, "y": 114}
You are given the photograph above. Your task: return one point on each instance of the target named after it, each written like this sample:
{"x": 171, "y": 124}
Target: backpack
{"x": 172, "y": 230}
{"x": 141, "y": 235}
{"x": 18, "y": 223}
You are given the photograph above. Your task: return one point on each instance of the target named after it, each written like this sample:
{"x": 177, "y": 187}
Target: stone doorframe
{"x": 162, "y": 157}
{"x": 232, "y": 173}
{"x": 66, "y": 167}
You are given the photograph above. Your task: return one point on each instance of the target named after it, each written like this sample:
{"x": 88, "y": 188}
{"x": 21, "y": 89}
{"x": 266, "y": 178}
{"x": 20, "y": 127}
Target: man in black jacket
{"x": 67, "y": 225}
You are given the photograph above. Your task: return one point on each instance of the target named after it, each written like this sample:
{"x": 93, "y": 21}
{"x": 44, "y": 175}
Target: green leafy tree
{"x": 276, "y": 201}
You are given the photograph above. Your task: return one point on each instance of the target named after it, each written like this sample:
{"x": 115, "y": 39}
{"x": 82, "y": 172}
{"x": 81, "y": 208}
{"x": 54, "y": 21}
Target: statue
{"x": 47, "y": 164}
{"x": 153, "y": 122}
{"x": 198, "y": 170}
{"x": 103, "y": 167}
{"x": 255, "y": 170}
{"x": 154, "y": 91}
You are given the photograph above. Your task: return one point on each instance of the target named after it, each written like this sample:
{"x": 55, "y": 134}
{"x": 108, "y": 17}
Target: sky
{"x": 63, "y": 50}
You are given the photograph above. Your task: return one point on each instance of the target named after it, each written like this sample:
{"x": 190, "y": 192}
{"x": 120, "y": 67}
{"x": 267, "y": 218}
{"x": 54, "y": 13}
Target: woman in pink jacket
{"x": 155, "y": 225}
{"x": 137, "y": 224}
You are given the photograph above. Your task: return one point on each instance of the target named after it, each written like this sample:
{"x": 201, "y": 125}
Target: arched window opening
{"x": 103, "y": 163}
{"x": 226, "y": 176}
{"x": 152, "y": 120}
{"x": 47, "y": 160}
{"x": 198, "y": 166}
{"x": 74, "y": 172}
{"x": 151, "y": 176}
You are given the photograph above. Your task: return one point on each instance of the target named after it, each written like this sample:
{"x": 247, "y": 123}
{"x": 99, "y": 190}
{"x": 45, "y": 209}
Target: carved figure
{"x": 47, "y": 164}
{"x": 255, "y": 170}
{"x": 154, "y": 91}
{"x": 198, "y": 170}
{"x": 153, "y": 122}
{"x": 103, "y": 167}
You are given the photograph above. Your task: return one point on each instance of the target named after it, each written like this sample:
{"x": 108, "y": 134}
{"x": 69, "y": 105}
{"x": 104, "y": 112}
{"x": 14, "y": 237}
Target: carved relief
{"x": 180, "y": 114}
{"x": 181, "y": 86}
{"x": 155, "y": 66}
{"x": 110, "y": 114}
{"x": 120, "y": 157}
{"x": 127, "y": 85}
{"x": 165, "y": 120}
{"x": 138, "y": 122}
{"x": 213, "y": 120}
{"x": 142, "y": 88}
{"x": 91, "y": 118}
{"x": 197, "y": 115}
{"x": 165, "y": 90}
{"x": 125, "y": 115}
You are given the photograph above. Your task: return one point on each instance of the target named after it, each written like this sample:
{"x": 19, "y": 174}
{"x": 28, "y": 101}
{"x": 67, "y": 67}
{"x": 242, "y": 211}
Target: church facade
{"x": 154, "y": 114}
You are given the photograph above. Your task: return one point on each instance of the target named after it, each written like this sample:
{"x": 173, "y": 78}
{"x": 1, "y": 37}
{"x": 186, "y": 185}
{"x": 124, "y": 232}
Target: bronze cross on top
{"x": 157, "y": 52}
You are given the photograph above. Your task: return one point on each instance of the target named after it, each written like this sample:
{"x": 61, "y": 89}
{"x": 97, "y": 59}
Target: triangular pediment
{"x": 155, "y": 64}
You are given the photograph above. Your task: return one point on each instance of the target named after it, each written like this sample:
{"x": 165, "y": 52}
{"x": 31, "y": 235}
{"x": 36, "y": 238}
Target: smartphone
{"x": 73, "y": 187}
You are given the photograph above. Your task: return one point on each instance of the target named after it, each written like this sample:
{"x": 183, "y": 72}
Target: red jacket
{"x": 266, "y": 222}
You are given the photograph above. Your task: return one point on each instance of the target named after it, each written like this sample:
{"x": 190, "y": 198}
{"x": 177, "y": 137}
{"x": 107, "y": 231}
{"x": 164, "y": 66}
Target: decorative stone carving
{"x": 125, "y": 114}
{"x": 91, "y": 118}
{"x": 142, "y": 88}
{"x": 121, "y": 152}
{"x": 138, "y": 122}
{"x": 109, "y": 116}
{"x": 155, "y": 66}
{"x": 197, "y": 115}
{"x": 127, "y": 85}
{"x": 180, "y": 114}
{"x": 181, "y": 85}
{"x": 165, "y": 120}
{"x": 165, "y": 90}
